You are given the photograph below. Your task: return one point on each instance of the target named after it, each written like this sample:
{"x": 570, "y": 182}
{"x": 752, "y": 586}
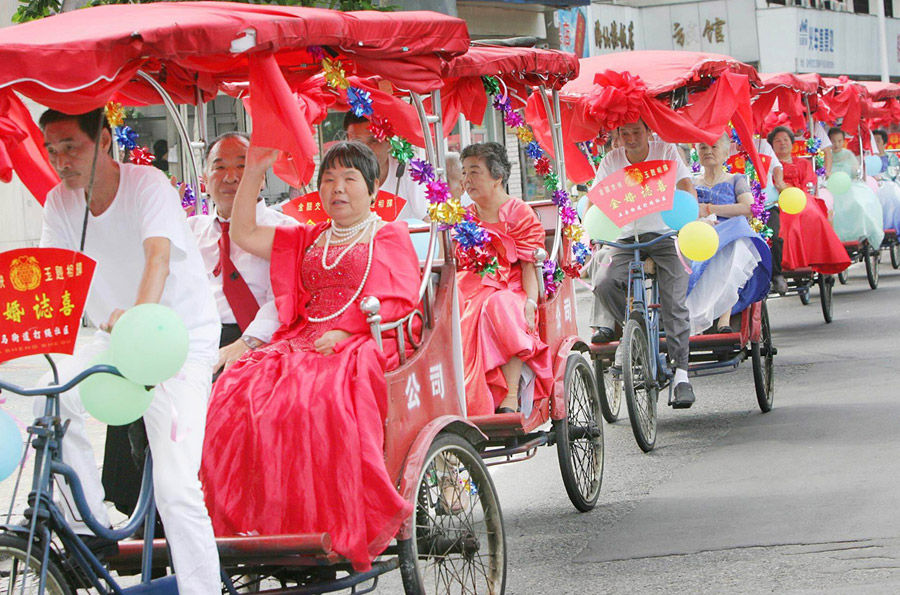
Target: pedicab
{"x": 653, "y": 85}
{"x": 506, "y": 76}
{"x": 185, "y": 53}
{"x": 796, "y": 98}
{"x": 851, "y": 101}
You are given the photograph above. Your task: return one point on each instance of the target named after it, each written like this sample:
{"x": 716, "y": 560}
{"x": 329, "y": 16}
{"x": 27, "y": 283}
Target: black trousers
{"x": 125, "y": 452}
{"x": 774, "y": 223}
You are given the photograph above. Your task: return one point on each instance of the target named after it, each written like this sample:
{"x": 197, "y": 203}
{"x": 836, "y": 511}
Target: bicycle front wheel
{"x": 640, "y": 387}
{"x": 15, "y": 575}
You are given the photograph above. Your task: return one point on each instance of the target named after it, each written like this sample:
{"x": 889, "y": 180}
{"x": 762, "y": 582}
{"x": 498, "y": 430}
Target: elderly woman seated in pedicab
{"x": 740, "y": 271}
{"x": 808, "y": 238}
{"x": 505, "y": 358}
{"x": 294, "y": 438}
{"x": 857, "y": 212}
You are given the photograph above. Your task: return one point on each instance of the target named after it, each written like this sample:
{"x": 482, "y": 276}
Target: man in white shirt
{"x": 636, "y": 147}
{"x": 393, "y": 177}
{"x": 145, "y": 253}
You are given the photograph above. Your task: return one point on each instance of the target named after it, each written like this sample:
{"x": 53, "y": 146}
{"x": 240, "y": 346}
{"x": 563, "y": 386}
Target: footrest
{"x": 500, "y": 424}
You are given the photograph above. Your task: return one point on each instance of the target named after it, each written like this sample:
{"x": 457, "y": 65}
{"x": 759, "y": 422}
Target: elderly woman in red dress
{"x": 809, "y": 239}
{"x": 499, "y": 310}
{"x": 294, "y": 439}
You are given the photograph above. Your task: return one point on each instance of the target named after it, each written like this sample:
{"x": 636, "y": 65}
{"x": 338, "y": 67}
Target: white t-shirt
{"x": 763, "y": 148}
{"x": 145, "y": 206}
{"x": 255, "y": 271}
{"x": 412, "y": 192}
{"x": 820, "y": 133}
{"x": 616, "y": 160}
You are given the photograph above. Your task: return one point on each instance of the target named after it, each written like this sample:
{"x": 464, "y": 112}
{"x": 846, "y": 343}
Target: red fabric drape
{"x": 22, "y": 148}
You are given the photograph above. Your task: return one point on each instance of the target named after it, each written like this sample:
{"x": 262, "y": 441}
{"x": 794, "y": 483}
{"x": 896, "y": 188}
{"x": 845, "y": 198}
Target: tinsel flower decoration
{"x": 491, "y": 86}
{"x": 421, "y": 171}
{"x": 334, "y": 74}
{"x": 574, "y": 232}
{"x": 468, "y": 234}
{"x": 115, "y": 115}
{"x": 551, "y": 181}
{"x": 316, "y": 52}
{"x": 542, "y": 166}
{"x": 126, "y": 137}
{"x": 381, "y": 128}
{"x": 525, "y": 135}
{"x": 820, "y": 172}
{"x": 188, "y": 198}
{"x": 534, "y": 150}
{"x": 437, "y": 191}
{"x": 572, "y": 271}
{"x": 559, "y": 197}
{"x": 447, "y": 213}
{"x": 551, "y": 286}
{"x": 142, "y": 156}
{"x": 581, "y": 252}
{"x": 567, "y": 214}
{"x": 501, "y": 104}
{"x": 401, "y": 150}
{"x": 513, "y": 119}
{"x": 360, "y": 101}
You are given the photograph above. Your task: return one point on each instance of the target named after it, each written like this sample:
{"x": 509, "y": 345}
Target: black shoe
{"x": 724, "y": 330}
{"x": 684, "y": 396}
{"x": 603, "y": 334}
{"x": 505, "y": 410}
{"x": 779, "y": 285}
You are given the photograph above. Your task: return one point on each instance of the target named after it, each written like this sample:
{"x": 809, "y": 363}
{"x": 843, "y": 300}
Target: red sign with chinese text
{"x": 308, "y": 208}
{"x": 893, "y": 142}
{"x": 42, "y": 296}
{"x": 635, "y": 191}
{"x": 737, "y": 163}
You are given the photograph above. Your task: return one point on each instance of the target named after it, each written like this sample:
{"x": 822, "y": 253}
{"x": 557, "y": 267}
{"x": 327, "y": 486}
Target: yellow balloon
{"x": 792, "y": 200}
{"x": 698, "y": 240}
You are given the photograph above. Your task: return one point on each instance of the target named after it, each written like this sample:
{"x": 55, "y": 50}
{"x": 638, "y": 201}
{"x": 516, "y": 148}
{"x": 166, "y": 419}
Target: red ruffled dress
{"x": 809, "y": 239}
{"x": 493, "y": 313}
{"x": 294, "y": 439}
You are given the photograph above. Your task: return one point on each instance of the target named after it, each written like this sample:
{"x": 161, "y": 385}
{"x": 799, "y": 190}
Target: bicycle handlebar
{"x": 637, "y": 245}
{"x": 58, "y": 389}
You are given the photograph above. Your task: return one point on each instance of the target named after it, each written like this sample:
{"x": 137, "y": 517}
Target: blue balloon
{"x": 684, "y": 210}
{"x": 874, "y": 165}
{"x": 10, "y": 445}
{"x": 582, "y": 206}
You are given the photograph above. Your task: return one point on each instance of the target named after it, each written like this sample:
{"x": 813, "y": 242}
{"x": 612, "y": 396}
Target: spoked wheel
{"x": 844, "y": 276}
{"x": 458, "y": 544}
{"x": 873, "y": 257}
{"x": 610, "y": 389}
{"x": 826, "y": 291}
{"x": 579, "y": 438}
{"x": 14, "y": 574}
{"x": 895, "y": 255}
{"x": 803, "y": 293}
{"x": 640, "y": 386}
{"x": 763, "y": 356}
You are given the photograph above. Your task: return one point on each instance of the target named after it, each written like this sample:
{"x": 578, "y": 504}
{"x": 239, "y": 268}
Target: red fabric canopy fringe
{"x": 22, "y": 149}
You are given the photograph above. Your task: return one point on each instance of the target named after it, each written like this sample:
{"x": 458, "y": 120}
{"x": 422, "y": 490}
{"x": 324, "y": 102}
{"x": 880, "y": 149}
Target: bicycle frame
{"x": 43, "y": 515}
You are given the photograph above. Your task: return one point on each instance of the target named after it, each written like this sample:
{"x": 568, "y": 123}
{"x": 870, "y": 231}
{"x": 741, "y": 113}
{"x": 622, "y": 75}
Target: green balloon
{"x": 149, "y": 344}
{"x": 600, "y": 227}
{"x": 838, "y": 183}
{"x": 111, "y": 399}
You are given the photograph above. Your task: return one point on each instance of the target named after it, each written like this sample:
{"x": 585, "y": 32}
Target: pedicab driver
{"x": 145, "y": 253}
{"x": 635, "y": 146}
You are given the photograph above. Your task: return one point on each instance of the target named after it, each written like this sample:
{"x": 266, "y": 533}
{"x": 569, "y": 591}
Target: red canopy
{"x": 849, "y": 100}
{"x": 616, "y": 89}
{"x": 191, "y": 48}
{"x": 518, "y": 69}
{"x": 788, "y": 90}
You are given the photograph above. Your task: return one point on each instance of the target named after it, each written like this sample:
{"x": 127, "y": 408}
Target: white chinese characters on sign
{"x": 412, "y": 392}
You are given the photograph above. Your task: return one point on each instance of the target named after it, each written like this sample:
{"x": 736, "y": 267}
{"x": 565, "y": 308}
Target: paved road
{"x": 803, "y": 499}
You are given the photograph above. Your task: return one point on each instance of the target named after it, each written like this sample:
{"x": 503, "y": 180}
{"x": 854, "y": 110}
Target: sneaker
{"x": 684, "y": 396}
{"x": 779, "y": 284}
{"x": 603, "y": 334}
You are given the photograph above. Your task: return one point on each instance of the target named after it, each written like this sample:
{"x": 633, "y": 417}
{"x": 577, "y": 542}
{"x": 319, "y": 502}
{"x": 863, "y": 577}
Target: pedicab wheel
{"x": 895, "y": 255}
{"x": 826, "y": 292}
{"x": 460, "y": 545}
{"x": 872, "y": 259}
{"x": 579, "y": 437}
{"x": 844, "y": 276}
{"x": 804, "y": 295}
{"x": 14, "y": 574}
{"x": 610, "y": 391}
{"x": 640, "y": 389}
{"x": 763, "y": 356}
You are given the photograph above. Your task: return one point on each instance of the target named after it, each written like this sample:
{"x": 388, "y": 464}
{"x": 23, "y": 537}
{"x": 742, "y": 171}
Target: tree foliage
{"x": 30, "y": 10}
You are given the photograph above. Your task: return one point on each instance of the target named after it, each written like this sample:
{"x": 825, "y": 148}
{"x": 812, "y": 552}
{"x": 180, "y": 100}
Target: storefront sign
{"x": 573, "y": 31}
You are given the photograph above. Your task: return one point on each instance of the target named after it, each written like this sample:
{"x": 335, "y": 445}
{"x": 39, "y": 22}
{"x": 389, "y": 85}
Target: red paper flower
{"x": 142, "y": 156}
{"x": 615, "y": 99}
{"x": 542, "y": 166}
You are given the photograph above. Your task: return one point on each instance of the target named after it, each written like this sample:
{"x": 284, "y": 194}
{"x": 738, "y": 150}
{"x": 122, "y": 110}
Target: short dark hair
{"x": 90, "y": 123}
{"x": 160, "y": 147}
{"x": 495, "y": 158}
{"x": 350, "y": 118}
{"x": 776, "y": 130}
{"x": 835, "y": 130}
{"x": 355, "y": 155}
{"x": 221, "y": 137}
{"x": 882, "y": 133}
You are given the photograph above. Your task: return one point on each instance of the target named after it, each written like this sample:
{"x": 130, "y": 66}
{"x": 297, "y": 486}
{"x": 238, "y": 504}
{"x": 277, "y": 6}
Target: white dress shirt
{"x": 255, "y": 271}
{"x": 405, "y": 187}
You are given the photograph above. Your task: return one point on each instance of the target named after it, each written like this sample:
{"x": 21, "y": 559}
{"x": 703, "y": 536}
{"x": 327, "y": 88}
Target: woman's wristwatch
{"x": 251, "y": 342}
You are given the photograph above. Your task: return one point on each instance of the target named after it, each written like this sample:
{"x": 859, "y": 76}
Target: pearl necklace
{"x": 372, "y": 219}
{"x": 343, "y": 233}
